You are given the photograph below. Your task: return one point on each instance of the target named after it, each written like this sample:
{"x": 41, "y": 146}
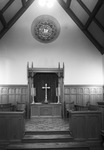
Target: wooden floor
{"x": 46, "y": 124}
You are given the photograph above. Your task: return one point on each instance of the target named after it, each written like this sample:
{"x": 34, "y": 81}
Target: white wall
{"x": 83, "y": 62}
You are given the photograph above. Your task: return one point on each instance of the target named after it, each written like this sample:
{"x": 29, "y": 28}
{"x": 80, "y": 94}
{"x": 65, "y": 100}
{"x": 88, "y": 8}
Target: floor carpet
{"x": 46, "y": 124}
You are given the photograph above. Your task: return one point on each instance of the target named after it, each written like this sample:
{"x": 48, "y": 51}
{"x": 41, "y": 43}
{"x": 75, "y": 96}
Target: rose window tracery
{"x": 45, "y": 28}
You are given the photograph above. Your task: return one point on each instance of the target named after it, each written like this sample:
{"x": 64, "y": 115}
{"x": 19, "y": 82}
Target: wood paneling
{"x": 77, "y": 93}
{"x": 81, "y": 94}
{"x": 45, "y": 110}
{"x": 13, "y": 94}
{"x": 85, "y": 125}
{"x": 11, "y": 126}
{"x": 101, "y": 107}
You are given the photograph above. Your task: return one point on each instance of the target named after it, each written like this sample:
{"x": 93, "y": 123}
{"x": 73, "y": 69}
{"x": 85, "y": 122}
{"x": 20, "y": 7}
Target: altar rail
{"x": 79, "y": 94}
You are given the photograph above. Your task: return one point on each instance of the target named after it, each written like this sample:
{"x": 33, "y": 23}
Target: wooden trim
{"x": 3, "y": 20}
{"x": 16, "y": 17}
{"x": 7, "y": 5}
{"x": 84, "y": 7}
{"x": 83, "y": 85}
{"x": 99, "y": 24}
{"x": 84, "y": 27}
{"x": 13, "y": 85}
{"x": 94, "y": 12}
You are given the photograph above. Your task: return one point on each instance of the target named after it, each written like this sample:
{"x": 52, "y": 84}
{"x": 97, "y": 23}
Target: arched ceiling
{"x": 87, "y": 14}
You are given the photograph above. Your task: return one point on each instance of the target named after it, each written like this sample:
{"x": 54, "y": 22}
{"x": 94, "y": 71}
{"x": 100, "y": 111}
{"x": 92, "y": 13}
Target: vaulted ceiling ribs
{"x": 87, "y": 14}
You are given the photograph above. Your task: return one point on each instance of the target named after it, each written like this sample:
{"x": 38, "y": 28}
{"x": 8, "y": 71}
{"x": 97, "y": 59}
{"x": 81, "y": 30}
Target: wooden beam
{"x": 3, "y": 20}
{"x": 23, "y": 3}
{"x": 94, "y": 41}
{"x": 99, "y": 24}
{"x": 94, "y": 12}
{"x": 62, "y": 3}
{"x": 71, "y": 14}
{"x": 82, "y": 27}
{"x": 16, "y": 17}
{"x": 84, "y": 7}
{"x": 7, "y": 5}
{"x": 68, "y": 3}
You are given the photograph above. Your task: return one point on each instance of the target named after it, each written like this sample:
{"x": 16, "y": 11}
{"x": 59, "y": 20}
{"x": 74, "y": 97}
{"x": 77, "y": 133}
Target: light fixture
{"x": 42, "y": 3}
{"x": 48, "y": 3}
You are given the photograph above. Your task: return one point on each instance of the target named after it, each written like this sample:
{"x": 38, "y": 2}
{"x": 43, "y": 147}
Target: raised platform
{"x": 52, "y": 109}
{"x": 46, "y": 124}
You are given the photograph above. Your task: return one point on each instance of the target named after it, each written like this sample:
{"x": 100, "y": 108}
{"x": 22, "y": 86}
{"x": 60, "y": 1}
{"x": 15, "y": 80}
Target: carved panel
{"x": 23, "y": 98}
{"x": 18, "y": 90}
{"x": 99, "y": 90}
{"x": 86, "y": 98}
{"x": 73, "y": 98}
{"x": 80, "y": 90}
{"x": 12, "y": 99}
{"x": 45, "y": 110}
{"x": 67, "y": 98}
{"x": 4, "y": 91}
{"x": 11, "y": 91}
{"x": 18, "y": 98}
{"x": 93, "y": 90}
{"x": 86, "y": 90}
{"x": 67, "y": 90}
{"x": 73, "y": 91}
{"x": 4, "y": 98}
{"x": 80, "y": 99}
{"x": 24, "y": 90}
{"x": 83, "y": 94}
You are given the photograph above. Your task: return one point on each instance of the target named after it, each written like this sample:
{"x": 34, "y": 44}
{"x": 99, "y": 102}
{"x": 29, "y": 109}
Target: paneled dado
{"x": 13, "y": 94}
{"x": 82, "y": 94}
{"x": 77, "y": 93}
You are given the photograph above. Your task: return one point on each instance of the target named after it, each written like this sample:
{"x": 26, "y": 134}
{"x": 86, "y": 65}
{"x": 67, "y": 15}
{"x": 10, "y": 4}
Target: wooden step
{"x": 47, "y": 138}
{"x": 46, "y": 132}
{"x": 49, "y": 146}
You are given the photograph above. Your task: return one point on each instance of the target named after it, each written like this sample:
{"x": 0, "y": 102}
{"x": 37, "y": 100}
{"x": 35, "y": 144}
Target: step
{"x": 49, "y": 146}
{"x": 47, "y": 138}
{"x": 46, "y": 132}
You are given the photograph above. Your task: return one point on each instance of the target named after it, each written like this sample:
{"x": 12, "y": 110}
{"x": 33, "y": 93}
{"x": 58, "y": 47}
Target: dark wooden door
{"x": 51, "y": 79}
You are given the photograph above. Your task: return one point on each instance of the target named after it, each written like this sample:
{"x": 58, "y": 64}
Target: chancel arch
{"x": 45, "y": 87}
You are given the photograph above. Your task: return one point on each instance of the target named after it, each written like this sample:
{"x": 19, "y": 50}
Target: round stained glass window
{"x": 45, "y": 28}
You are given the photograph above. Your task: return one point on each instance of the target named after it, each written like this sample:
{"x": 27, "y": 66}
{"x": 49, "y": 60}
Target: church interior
{"x": 51, "y": 74}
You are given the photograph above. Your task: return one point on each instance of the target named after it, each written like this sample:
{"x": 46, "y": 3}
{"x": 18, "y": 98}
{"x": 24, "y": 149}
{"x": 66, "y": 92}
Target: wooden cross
{"x": 46, "y": 88}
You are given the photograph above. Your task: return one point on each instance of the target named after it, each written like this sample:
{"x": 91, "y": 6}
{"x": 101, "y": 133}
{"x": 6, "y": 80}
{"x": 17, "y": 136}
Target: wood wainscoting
{"x": 82, "y": 94}
{"x": 13, "y": 94}
{"x": 79, "y": 94}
